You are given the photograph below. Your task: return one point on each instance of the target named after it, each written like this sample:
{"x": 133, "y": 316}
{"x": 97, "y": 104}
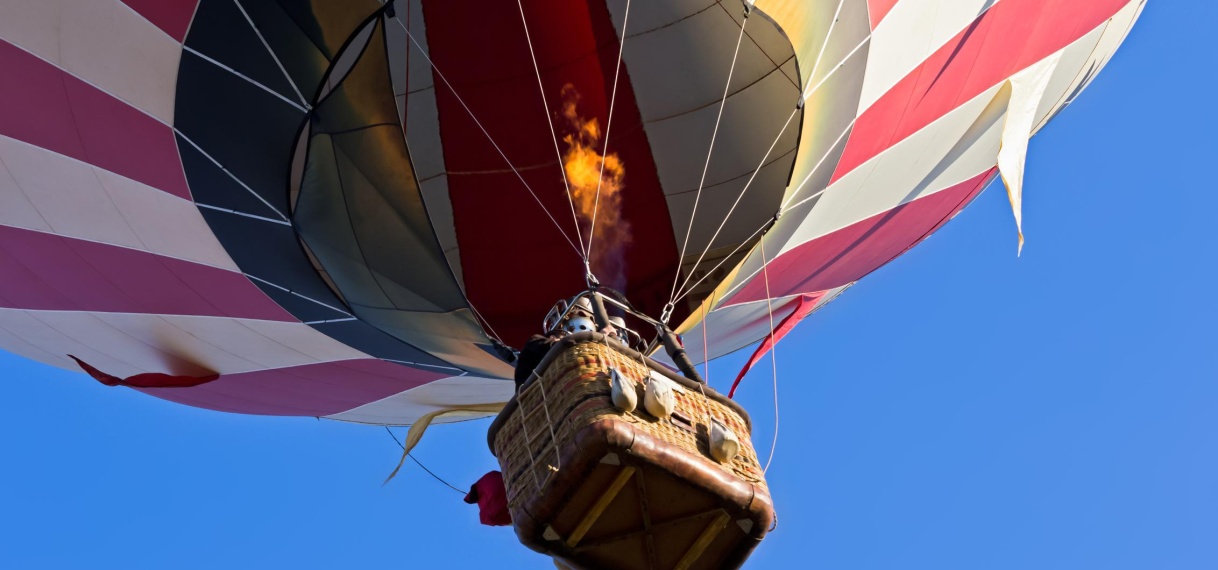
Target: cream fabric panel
{"x": 405, "y": 407}
{"x": 125, "y": 344}
{"x": 45, "y": 191}
{"x": 103, "y": 42}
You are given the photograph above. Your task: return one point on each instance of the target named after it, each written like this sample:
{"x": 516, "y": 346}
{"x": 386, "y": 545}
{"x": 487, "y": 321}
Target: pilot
{"x": 579, "y": 319}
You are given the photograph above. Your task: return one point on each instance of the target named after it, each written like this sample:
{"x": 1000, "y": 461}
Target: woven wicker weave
{"x": 573, "y": 392}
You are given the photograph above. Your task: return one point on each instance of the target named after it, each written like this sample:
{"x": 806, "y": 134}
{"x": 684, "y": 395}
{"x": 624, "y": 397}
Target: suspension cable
{"x": 804, "y": 94}
{"x": 769, "y": 306}
{"x": 710, "y": 151}
{"x": 769, "y": 223}
{"x": 553, "y": 134}
{"x": 453, "y": 90}
{"x": 617, "y": 72}
{"x": 739, "y": 196}
{"x": 420, "y": 464}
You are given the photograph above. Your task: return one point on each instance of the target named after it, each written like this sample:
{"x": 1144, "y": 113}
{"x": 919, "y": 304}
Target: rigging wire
{"x": 617, "y": 73}
{"x": 783, "y": 210}
{"x": 804, "y": 94}
{"x": 553, "y": 134}
{"x": 710, "y": 151}
{"x": 769, "y": 307}
{"x": 420, "y": 464}
{"x": 457, "y": 96}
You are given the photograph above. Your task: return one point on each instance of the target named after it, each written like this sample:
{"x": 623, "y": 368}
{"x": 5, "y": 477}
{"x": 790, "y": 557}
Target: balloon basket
{"x": 597, "y": 487}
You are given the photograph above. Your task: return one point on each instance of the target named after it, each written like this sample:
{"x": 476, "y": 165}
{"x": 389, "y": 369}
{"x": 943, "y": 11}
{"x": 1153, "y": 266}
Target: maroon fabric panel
{"x": 491, "y": 496}
{"x": 310, "y": 390}
{"x": 171, "y": 16}
{"x": 48, "y": 272}
{"x": 803, "y": 308}
{"x": 846, "y": 255}
{"x": 514, "y": 261}
{"x": 48, "y": 108}
{"x": 147, "y": 380}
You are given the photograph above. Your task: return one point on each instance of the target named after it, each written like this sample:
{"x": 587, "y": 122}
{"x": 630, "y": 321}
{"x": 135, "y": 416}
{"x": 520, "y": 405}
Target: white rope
{"x": 617, "y": 72}
{"x": 553, "y": 134}
{"x": 691, "y": 289}
{"x": 773, "y": 354}
{"x": 722, "y": 103}
{"x": 545, "y": 405}
{"x": 489, "y": 138}
{"x": 805, "y": 93}
{"x": 739, "y": 196}
{"x": 823, "y": 46}
{"x": 524, "y": 425}
{"x": 783, "y": 210}
{"x": 785, "y": 207}
{"x": 282, "y": 69}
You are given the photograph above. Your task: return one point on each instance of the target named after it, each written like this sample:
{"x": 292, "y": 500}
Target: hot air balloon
{"x": 361, "y": 210}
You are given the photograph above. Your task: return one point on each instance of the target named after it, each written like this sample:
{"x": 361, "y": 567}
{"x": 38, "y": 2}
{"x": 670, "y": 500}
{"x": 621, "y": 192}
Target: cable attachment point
{"x": 803, "y": 98}
{"x": 748, "y": 7}
{"x": 666, "y": 313}
{"x": 589, "y": 277}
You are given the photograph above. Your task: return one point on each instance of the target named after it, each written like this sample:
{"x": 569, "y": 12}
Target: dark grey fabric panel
{"x": 247, "y": 130}
{"x": 271, "y": 252}
{"x": 359, "y": 209}
{"x": 307, "y": 34}
{"x": 210, "y": 185}
{"x": 220, "y": 31}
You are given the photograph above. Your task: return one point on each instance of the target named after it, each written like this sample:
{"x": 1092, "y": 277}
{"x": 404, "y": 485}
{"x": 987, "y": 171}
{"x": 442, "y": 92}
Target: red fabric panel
{"x": 171, "y": 16}
{"x": 48, "y": 272}
{"x": 491, "y": 496}
{"x": 515, "y": 263}
{"x": 310, "y": 390}
{"x": 846, "y": 255}
{"x": 804, "y": 308}
{"x": 46, "y": 107}
{"x": 1007, "y": 38}
{"x": 877, "y": 9}
{"x": 148, "y": 380}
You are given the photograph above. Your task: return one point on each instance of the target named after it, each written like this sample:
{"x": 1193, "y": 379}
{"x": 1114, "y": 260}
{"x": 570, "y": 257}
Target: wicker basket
{"x": 567, "y": 455}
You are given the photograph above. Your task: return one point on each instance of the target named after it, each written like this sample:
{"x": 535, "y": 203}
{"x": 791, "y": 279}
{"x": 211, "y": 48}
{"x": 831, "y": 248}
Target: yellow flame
{"x": 583, "y": 167}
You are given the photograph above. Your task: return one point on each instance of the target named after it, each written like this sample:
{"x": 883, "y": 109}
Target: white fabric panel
{"x": 910, "y": 33}
{"x": 1076, "y": 63}
{"x": 1099, "y": 45}
{"x": 953, "y": 149}
{"x": 405, "y": 407}
{"x": 45, "y": 191}
{"x": 1027, "y": 90}
{"x": 104, "y": 43}
{"x": 125, "y": 344}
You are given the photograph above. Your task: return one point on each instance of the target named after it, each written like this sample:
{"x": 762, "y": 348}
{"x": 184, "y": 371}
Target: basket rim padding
{"x": 574, "y": 339}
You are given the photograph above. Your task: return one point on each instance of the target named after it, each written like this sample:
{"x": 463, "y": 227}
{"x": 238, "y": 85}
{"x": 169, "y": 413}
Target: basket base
{"x": 623, "y": 499}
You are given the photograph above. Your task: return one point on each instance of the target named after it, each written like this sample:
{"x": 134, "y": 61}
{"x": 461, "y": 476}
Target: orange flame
{"x": 601, "y": 216}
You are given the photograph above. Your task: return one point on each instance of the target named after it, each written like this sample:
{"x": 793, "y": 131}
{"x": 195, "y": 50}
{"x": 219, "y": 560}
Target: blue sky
{"x": 960, "y": 408}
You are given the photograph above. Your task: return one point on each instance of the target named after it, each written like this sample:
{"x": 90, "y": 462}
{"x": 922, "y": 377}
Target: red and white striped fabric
{"x": 338, "y": 205}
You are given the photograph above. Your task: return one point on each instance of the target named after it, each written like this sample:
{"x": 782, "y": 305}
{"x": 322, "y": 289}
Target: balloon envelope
{"x": 342, "y": 208}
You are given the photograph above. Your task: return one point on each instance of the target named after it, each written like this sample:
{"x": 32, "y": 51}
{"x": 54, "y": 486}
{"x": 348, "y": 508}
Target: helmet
{"x": 582, "y": 304}
{"x": 617, "y": 322}
{"x": 579, "y": 323}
